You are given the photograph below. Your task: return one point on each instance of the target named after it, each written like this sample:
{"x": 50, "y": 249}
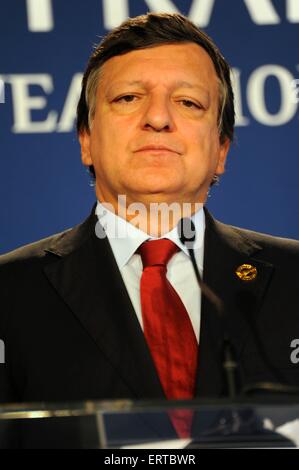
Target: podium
{"x": 123, "y": 424}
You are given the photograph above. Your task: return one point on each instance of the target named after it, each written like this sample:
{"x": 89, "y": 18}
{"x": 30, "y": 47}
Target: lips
{"x": 157, "y": 149}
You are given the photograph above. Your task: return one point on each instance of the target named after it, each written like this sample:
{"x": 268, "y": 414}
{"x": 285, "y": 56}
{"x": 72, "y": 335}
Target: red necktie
{"x": 168, "y": 329}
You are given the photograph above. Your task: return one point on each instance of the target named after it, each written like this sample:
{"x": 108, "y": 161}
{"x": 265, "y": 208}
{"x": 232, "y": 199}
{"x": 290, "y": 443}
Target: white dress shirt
{"x": 125, "y": 239}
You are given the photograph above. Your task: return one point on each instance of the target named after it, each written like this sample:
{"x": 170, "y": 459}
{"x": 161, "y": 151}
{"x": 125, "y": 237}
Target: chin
{"x": 158, "y": 190}
{"x": 155, "y": 183}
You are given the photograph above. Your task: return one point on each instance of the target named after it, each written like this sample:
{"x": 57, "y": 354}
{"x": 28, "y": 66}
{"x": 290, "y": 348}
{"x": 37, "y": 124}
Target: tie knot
{"x": 157, "y": 252}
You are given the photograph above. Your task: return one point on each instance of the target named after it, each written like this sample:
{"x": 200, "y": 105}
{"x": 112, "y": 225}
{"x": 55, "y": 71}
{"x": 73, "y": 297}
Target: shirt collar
{"x": 125, "y": 238}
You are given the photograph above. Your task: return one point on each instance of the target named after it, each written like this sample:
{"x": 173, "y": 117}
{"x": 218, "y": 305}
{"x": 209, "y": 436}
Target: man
{"x": 82, "y": 311}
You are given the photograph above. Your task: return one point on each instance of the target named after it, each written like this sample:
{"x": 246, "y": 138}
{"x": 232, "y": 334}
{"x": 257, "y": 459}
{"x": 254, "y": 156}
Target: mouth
{"x": 157, "y": 150}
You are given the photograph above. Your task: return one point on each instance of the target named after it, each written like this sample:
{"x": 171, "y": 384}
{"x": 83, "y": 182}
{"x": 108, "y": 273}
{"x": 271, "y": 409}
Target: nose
{"x": 158, "y": 115}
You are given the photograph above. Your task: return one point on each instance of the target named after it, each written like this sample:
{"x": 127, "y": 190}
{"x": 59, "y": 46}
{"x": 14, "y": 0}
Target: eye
{"x": 125, "y": 99}
{"x": 190, "y": 104}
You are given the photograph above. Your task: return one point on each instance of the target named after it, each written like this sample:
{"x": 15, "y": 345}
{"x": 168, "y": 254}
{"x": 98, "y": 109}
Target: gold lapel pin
{"x": 246, "y": 272}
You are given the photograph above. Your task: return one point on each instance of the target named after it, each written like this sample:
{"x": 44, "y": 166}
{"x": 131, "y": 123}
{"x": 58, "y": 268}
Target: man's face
{"x": 155, "y": 136}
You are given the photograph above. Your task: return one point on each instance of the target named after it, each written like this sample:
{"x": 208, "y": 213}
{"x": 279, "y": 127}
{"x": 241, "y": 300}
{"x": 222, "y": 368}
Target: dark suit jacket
{"x": 71, "y": 333}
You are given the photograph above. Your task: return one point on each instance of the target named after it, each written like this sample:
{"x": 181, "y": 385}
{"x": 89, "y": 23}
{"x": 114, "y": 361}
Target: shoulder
{"x": 252, "y": 242}
{"x": 59, "y": 244}
{"x": 267, "y": 241}
{"x": 31, "y": 252}
{"x": 23, "y": 267}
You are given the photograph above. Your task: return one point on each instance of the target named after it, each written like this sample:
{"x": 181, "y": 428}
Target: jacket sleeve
{"x": 7, "y": 393}
{"x": 9, "y": 432}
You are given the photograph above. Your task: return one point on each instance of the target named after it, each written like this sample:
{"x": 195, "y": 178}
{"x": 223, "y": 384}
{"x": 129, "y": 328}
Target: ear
{"x": 224, "y": 148}
{"x": 84, "y": 139}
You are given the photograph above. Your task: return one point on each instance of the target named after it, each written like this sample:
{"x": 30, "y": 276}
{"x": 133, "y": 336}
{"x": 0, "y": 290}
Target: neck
{"x": 155, "y": 219}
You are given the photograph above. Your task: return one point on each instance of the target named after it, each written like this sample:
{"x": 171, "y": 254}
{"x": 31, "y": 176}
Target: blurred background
{"x": 44, "y": 47}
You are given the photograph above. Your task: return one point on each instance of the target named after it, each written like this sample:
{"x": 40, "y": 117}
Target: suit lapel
{"x": 87, "y": 278}
{"x": 227, "y": 248}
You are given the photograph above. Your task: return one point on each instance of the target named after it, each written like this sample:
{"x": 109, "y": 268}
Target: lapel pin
{"x": 246, "y": 272}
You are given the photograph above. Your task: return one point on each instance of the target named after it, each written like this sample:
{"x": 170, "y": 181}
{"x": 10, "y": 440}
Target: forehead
{"x": 167, "y": 63}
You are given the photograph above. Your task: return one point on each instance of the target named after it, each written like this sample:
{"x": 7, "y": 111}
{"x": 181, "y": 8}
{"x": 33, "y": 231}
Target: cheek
{"x": 107, "y": 148}
{"x": 204, "y": 142}
{"x": 203, "y": 152}
{"x": 113, "y": 134}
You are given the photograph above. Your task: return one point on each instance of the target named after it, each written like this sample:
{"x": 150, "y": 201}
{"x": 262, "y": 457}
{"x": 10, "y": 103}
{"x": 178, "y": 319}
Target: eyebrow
{"x": 177, "y": 84}
{"x": 180, "y": 83}
{"x": 184, "y": 84}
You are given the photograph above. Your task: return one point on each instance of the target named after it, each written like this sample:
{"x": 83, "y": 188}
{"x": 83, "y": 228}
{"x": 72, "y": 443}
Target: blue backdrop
{"x": 44, "y": 46}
